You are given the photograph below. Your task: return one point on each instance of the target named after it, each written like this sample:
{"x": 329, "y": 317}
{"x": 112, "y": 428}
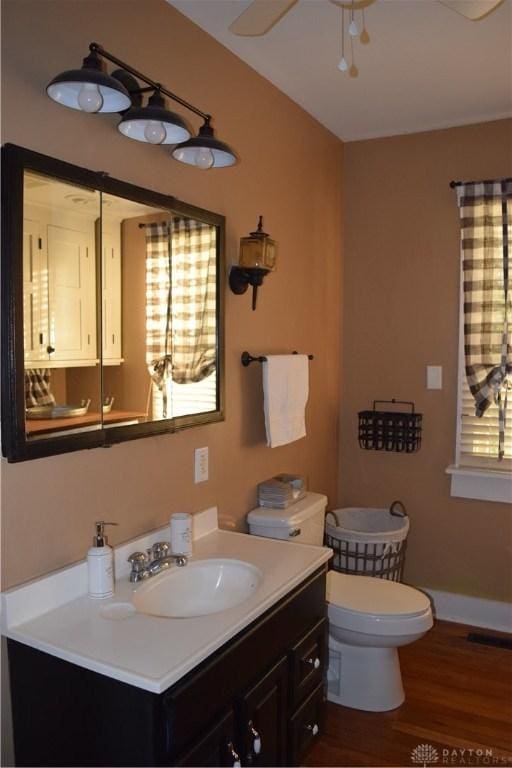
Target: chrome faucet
{"x": 156, "y": 559}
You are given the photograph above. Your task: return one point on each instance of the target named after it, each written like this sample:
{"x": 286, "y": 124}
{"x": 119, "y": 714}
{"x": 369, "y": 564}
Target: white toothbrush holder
{"x": 181, "y": 533}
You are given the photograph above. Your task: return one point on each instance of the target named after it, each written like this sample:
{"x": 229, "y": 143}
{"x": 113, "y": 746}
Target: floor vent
{"x": 496, "y": 642}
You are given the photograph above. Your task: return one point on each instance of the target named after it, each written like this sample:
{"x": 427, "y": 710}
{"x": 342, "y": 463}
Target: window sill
{"x": 484, "y": 484}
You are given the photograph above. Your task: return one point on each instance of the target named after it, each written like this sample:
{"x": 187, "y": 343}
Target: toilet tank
{"x": 302, "y": 522}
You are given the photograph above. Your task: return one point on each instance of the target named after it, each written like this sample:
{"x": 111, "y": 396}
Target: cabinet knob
{"x": 313, "y": 729}
{"x": 256, "y": 739}
{"x": 234, "y": 755}
{"x": 315, "y": 663}
{"x": 50, "y": 349}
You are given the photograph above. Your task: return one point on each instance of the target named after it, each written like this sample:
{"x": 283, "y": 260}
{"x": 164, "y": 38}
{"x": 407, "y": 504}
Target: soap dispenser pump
{"x": 100, "y": 564}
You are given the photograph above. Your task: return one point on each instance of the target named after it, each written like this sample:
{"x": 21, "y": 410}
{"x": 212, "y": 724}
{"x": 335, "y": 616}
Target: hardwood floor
{"x": 458, "y": 697}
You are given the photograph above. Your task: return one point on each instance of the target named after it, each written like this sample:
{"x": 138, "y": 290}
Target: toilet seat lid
{"x": 378, "y": 597}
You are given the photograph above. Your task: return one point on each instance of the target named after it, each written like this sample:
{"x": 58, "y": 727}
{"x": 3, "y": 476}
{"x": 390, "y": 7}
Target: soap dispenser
{"x": 100, "y": 564}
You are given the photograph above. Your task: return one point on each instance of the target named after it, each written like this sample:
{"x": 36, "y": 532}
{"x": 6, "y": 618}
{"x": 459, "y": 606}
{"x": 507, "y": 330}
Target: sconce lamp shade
{"x": 89, "y": 89}
{"x": 258, "y": 256}
{"x": 154, "y": 123}
{"x": 258, "y": 250}
{"x": 204, "y": 150}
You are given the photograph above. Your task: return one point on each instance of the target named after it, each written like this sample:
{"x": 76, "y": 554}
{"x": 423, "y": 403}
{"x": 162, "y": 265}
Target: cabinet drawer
{"x": 308, "y": 663}
{"x": 306, "y": 725}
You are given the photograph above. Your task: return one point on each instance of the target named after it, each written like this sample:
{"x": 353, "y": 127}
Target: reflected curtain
{"x": 194, "y": 326}
{"x": 180, "y": 302}
{"x": 158, "y": 305}
{"x": 485, "y": 218}
{"x": 38, "y": 387}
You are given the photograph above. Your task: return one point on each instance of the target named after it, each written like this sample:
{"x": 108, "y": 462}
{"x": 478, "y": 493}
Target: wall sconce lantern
{"x": 258, "y": 256}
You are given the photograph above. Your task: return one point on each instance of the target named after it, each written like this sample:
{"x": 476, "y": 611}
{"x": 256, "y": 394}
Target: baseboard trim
{"x": 491, "y": 614}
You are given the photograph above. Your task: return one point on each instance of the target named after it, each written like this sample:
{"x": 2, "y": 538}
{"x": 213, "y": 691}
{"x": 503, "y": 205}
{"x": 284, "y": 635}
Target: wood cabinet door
{"x": 262, "y": 719}
{"x": 215, "y": 748}
{"x": 35, "y": 294}
{"x": 111, "y": 287}
{"x": 71, "y": 295}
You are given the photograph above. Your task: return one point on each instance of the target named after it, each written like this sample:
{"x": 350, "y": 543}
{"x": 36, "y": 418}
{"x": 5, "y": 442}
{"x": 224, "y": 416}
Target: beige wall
{"x": 400, "y": 314}
{"x": 290, "y": 172}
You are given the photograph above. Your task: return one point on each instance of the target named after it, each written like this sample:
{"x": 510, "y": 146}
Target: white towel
{"x": 285, "y": 390}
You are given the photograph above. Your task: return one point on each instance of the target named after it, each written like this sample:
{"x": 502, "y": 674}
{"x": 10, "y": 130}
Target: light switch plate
{"x": 200, "y": 465}
{"x": 434, "y": 377}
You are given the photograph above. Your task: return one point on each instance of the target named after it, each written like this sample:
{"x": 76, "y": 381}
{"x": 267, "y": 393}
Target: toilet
{"x": 369, "y": 618}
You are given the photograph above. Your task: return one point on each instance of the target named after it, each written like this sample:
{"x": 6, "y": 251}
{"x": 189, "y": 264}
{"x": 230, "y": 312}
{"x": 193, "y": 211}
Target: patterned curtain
{"x": 180, "y": 302}
{"x": 158, "y": 305}
{"x": 485, "y": 215}
{"x": 194, "y": 248}
{"x": 38, "y": 387}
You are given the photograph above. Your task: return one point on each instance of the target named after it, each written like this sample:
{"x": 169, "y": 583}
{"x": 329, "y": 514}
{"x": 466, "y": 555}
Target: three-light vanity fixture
{"x": 92, "y": 89}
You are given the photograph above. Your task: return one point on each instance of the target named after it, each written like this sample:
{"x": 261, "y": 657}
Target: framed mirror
{"x": 112, "y": 309}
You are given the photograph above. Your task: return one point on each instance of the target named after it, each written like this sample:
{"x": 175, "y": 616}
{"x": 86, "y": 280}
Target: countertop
{"x": 41, "y": 426}
{"x": 153, "y": 653}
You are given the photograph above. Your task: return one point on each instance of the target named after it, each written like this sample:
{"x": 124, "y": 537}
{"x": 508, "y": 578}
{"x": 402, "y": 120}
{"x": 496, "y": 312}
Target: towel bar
{"x": 247, "y": 359}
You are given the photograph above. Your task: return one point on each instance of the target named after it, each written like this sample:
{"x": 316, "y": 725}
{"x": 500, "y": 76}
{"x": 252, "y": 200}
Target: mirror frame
{"x": 15, "y": 446}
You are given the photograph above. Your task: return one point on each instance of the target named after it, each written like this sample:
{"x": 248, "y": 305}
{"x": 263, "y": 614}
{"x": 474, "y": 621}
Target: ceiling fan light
{"x": 353, "y": 29}
{"x": 89, "y": 89}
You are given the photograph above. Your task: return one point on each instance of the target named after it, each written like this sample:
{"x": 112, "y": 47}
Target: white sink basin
{"x": 198, "y": 588}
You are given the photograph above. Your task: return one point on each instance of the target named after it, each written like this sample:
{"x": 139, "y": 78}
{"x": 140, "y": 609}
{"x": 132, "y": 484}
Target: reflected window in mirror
{"x": 181, "y": 323}
{"x": 168, "y": 288}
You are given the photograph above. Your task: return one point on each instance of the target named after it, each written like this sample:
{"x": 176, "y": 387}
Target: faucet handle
{"x": 159, "y": 550}
{"x": 138, "y": 561}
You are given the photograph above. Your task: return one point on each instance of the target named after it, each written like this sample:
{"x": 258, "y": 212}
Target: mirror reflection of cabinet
{"x": 111, "y": 292}
{"x": 99, "y": 350}
{"x": 59, "y": 274}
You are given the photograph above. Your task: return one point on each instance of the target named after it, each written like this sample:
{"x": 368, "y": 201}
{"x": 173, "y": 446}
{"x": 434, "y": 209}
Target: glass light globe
{"x": 154, "y": 132}
{"x": 343, "y": 65}
{"x": 205, "y": 158}
{"x": 90, "y": 98}
{"x": 353, "y": 29}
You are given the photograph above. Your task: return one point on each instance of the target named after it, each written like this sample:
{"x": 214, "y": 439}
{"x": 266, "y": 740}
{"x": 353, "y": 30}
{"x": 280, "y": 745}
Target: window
{"x": 483, "y": 462}
{"x": 184, "y": 399}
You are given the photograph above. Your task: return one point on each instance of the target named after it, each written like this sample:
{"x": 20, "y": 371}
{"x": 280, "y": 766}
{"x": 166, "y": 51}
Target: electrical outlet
{"x": 200, "y": 465}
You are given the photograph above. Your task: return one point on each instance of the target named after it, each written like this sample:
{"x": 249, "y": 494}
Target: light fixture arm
{"x": 100, "y": 51}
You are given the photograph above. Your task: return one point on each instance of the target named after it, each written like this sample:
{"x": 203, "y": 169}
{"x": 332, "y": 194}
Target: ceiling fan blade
{"x": 260, "y": 16}
{"x": 472, "y": 9}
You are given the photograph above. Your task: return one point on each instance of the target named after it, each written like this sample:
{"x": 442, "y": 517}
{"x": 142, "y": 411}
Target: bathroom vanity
{"x": 241, "y": 687}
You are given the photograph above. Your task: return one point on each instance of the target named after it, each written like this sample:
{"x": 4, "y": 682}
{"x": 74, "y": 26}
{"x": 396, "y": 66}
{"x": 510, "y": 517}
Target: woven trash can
{"x": 368, "y": 541}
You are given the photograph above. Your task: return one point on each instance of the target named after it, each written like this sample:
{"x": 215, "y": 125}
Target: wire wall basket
{"x": 382, "y": 430}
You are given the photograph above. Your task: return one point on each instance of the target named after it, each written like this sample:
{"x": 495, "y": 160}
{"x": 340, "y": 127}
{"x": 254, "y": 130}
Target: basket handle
{"x": 395, "y": 402}
{"x": 337, "y": 522}
{"x": 397, "y": 508}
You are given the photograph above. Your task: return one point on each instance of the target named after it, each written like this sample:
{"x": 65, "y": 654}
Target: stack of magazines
{"x": 281, "y": 491}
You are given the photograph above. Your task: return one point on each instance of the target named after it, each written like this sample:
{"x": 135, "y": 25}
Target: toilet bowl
{"x": 369, "y": 618}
